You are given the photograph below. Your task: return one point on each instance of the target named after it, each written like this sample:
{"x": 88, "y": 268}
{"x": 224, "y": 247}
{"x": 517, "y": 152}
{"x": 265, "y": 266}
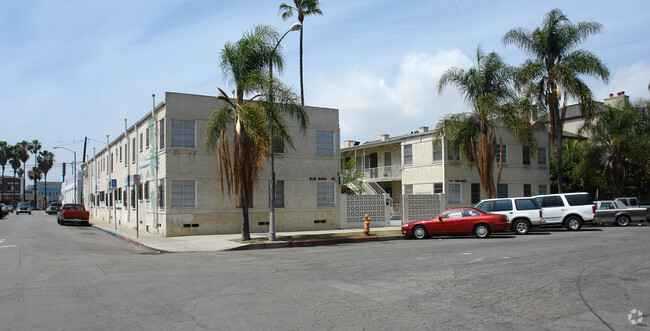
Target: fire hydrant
{"x": 366, "y": 224}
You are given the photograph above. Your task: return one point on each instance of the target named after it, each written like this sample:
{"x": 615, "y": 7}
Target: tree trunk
{"x": 245, "y": 230}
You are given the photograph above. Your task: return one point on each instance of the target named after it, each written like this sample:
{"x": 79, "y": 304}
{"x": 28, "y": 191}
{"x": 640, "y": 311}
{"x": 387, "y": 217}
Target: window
{"x": 183, "y": 133}
{"x": 133, "y": 198}
{"x": 111, "y": 163}
{"x": 325, "y": 142}
{"x": 526, "y": 204}
{"x": 606, "y": 205}
{"x": 147, "y": 137}
{"x": 551, "y": 201}
{"x": 526, "y": 154}
{"x": 141, "y": 142}
{"x": 408, "y": 189}
{"x": 278, "y": 148}
{"x": 437, "y": 151}
{"x": 133, "y": 150}
{"x": 543, "y": 190}
{"x": 161, "y": 129}
{"x": 140, "y": 193}
{"x": 579, "y": 199}
{"x": 437, "y": 188}
{"x": 161, "y": 193}
{"x": 408, "y": 154}
{"x": 125, "y": 199}
{"x": 502, "y": 205}
{"x": 146, "y": 190}
{"x": 498, "y": 154}
{"x": 502, "y": 191}
{"x": 476, "y": 192}
{"x": 279, "y": 194}
{"x": 456, "y": 213}
{"x": 527, "y": 190}
{"x": 325, "y": 194}
{"x": 120, "y": 154}
{"x": 541, "y": 157}
{"x": 454, "y": 194}
{"x": 183, "y": 193}
{"x": 453, "y": 153}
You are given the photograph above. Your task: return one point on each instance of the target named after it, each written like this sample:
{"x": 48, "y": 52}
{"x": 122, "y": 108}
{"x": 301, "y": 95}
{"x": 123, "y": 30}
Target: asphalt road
{"x": 79, "y": 278}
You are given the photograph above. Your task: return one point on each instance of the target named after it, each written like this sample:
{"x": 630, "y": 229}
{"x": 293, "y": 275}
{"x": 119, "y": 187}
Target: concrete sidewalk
{"x": 223, "y": 242}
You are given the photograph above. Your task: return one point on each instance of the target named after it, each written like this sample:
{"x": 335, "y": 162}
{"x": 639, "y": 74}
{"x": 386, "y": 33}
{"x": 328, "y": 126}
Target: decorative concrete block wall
{"x": 422, "y": 206}
{"x": 354, "y": 207}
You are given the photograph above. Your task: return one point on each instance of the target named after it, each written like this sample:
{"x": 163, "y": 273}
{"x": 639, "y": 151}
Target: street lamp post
{"x": 74, "y": 169}
{"x": 295, "y": 27}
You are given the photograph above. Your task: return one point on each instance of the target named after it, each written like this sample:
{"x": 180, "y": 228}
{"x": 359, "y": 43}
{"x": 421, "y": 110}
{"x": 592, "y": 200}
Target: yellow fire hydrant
{"x": 366, "y": 224}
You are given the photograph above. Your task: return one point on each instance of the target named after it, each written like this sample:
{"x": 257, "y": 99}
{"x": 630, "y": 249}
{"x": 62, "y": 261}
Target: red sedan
{"x": 458, "y": 221}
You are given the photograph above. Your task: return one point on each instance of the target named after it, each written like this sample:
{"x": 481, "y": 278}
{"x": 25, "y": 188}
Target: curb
{"x": 309, "y": 243}
{"x": 131, "y": 241}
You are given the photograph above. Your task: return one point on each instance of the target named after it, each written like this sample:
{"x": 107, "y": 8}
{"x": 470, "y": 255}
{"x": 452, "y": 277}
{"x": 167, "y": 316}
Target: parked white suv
{"x": 571, "y": 210}
{"x": 523, "y": 213}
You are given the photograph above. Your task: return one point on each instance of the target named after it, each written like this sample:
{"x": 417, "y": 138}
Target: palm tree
{"x": 34, "y": 147}
{"x": 619, "y": 144}
{"x": 246, "y": 64}
{"x": 45, "y": 162}
{"x": 23, "y": 155}
{"x": 555, "y": 66}
{"x": 4, "y": 147}
{"x": 487, "y": 90}
{"x": 303, "y": 8}
{"x": 35, "y": 174}
{"x": 12, "y": 155}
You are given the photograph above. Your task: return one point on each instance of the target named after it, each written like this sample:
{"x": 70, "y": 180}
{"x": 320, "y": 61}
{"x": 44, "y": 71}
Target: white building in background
{"x": 179, "y": 190}
{"x": 69, "y": 188}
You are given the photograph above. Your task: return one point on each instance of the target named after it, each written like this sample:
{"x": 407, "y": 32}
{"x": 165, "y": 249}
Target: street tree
{"x": 35, "y": 174}
{"x": 302, "y": 8}
{"x": 22, "y": 151}
{"x": 555, "y": 66}
{"x": 487, "y": 89}
{"x": 45, "y": 163}
{"x": 4, "y": 148}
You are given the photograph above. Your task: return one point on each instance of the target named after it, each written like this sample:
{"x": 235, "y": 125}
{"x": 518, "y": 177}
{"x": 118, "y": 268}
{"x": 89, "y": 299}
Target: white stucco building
{"x": 179, "y": 191}
{"x": 415, "y": 164}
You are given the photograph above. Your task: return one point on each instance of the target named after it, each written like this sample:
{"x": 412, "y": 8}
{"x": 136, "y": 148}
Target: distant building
{"x": 178, "y": 191}
{"x": 415, "y": 164}
{"x": 11, "y": 189}
{"x": 574, "y": 121}
{"x": 69, "y": 188}
{"x": 53, "y": 193}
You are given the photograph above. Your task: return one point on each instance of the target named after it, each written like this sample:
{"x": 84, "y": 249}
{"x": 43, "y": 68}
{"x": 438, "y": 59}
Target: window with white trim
{"x": 183, "y": 193}
{"x": 408, "y": 154}
{"x": 437, "y": 151}
{"x": 453, "y": 152}
{"x": 183, "y": 133}
{"x": 324, "y": 194}
{"x": 324, "y": 142}
{"x": 497, "y": 157}
{"x": 437, "y": 188}
{"x": 454, "y": 194}
{"x": 541, "y": 156}
{"x": 408, "y": 189}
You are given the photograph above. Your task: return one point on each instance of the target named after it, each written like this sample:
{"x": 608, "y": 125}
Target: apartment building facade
{"x": 416, "y": 164}
{"x": 159, "y": 177}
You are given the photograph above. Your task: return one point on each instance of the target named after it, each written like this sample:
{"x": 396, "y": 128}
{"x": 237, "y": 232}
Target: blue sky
{"x": 72, "y": 69}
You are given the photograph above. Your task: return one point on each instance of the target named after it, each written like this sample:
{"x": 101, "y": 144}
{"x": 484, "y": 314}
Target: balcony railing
{"x": 383, "y": 173}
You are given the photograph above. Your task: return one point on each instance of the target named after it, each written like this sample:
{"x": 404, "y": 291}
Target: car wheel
{"x": 622, "y": 220}
{"x": 573, "y": 223}
{"x": 521, "y": 227}
{"x": 482, "y": 231}
{"x": 419, "y": 232}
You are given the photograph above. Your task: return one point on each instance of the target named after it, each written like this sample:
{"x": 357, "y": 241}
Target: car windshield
{"x": 73, "y": 207}
{"x": 23, "y": 204}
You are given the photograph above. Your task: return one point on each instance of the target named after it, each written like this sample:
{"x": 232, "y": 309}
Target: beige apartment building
{"x": 158, "y": 176}
{"x": 415, "y": 164}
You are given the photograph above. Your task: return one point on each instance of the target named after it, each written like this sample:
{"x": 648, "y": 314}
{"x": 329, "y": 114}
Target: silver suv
{"x": 523, "y": 213}
{"x": 571, "y": 210}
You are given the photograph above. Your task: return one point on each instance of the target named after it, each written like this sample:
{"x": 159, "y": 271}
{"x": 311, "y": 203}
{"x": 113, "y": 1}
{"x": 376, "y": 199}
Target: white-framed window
{"x": 183, "y": 193}
{"x": 437, "y": 151}
{"x": 408, "y": 154}
{"x": 541, "y": 157}
{"x": 324, "y": 194}
{"x": 453, "y": 152}
{"x": 133, "y": 150}
{"x": 146, "y": 139}
{"x": 454, "y": 194}
{"x": 279, "y": 194}
{"x": 161, "y": 132}
{"x": 183, "y": 133}
{"x": 141, "y": 141}
{"x": 437, "y": 188}
{"x": 543, "y": 189}
{"x": 408, "y": 189}
{"x": 497, "y": 156}
{"x": 324, "y": 142}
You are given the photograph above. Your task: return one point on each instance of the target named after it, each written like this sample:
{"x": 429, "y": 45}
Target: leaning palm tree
{"x": 45, "y": 163}
{"x": 303, "y": 8}
{"x": 487, "y": 90}
{"x": 22, "y": 151}
{"x": 35, "y": 174}
{"x": 555, "y": 66}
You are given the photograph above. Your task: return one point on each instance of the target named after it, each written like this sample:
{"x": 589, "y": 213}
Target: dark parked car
{"x": 53, "y": 208}
{"x": 458, "y": 221}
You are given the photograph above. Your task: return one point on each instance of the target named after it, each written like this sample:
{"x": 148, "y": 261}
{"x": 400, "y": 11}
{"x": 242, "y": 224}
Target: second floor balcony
{"x": 380, "y": 174}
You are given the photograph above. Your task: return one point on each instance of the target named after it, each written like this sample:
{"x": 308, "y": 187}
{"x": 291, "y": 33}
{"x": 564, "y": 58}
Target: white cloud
{"x": 632, "y": 79}
{"x": 370, "y": 105}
